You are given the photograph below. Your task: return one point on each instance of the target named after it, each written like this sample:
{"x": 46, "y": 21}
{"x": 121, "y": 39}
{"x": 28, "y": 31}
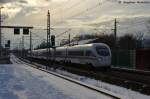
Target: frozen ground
{"x": 19, "y": 81}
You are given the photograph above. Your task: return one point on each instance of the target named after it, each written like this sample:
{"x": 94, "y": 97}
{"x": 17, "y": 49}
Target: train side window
{"x": 70, "y": 53}
{"x": 76, "y": 53}
{"x": 89, "y": 53}
{"x": 58, "y": 53}
{"x": 79, "y": 53}
{"x": 36, "y": 53}
{"x": 45, "y": 54}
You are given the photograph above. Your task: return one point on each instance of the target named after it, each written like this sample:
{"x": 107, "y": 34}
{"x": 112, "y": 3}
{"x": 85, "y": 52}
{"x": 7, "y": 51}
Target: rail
{"x": 135, "y": 71}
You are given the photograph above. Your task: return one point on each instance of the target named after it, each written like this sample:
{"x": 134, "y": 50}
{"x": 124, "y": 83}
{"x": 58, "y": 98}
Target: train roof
{"x": 39, "y": 50}
{"x": 84, "y": 46}
{"x": 78, "y": 46}
{"x": 90, "y": 45}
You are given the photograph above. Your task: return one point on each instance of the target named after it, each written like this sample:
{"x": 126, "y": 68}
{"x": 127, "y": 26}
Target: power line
{"x": 100, "y": 3}
{"x": 72, "y": 6}
{"x": 86, "y": 10}
{"x": 60, "y": 6}
{"x": 63, "y": 33}
{"x": 82, "y": 12}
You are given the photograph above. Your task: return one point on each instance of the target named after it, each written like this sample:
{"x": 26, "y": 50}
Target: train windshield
{"x": 102, "y": 51}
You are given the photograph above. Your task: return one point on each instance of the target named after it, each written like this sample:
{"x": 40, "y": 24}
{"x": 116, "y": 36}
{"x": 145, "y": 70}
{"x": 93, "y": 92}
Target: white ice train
{"x": 95, "y": 54}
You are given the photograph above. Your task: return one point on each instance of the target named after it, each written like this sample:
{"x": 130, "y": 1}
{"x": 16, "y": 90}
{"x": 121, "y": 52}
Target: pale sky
{"x": 75, "y": 13}
{"x": 71, "y": 13}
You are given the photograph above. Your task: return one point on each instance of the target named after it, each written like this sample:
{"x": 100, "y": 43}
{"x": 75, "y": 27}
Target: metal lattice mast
{"x": 0, "y": 28}
{"x": 48, "y": 36}
{"x": 0, "y": 36}
{"x": 30, "y": 43}
{"x": 0, "y": 33}
{"x": 115, "y": 45}
{"x": 115, "y": 33}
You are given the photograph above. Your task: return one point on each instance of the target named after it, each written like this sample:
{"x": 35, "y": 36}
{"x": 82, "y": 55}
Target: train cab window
{"x": 102, "y": 51}
{"x": 89, "y": 53}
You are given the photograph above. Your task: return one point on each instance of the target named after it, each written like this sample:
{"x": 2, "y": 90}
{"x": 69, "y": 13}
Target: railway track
{"x": 102, "y": 91}
{"x": 138, "y": 76}
{"x": 137, "y": 81}
{"x": 133, "y": 71}
{"x": 130, "y": 81}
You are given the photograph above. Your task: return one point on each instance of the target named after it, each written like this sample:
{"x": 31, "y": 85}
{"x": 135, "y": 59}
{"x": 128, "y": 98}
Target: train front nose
{"x": 104, "y": 55}
{"x": 105, "y": 61}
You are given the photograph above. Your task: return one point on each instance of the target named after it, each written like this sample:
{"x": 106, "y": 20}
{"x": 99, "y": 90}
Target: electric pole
{"x": 48, "y": 38}
{"x": 23, "y": 46}
{"x": 0, "y": 33}
{"x": 115, "y": 33}
{"x": 69, "y": 39}
{"x": 30, "y": 43}
{"x": 115, "y": 41}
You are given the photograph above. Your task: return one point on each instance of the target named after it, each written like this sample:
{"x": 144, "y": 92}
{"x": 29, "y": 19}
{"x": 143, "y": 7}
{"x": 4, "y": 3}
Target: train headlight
{"x": 100, "y": 59}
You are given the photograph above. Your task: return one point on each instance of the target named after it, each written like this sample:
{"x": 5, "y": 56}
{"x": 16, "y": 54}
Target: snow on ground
{"x": 113, "y": 88}
{"x": 19, "y": 81}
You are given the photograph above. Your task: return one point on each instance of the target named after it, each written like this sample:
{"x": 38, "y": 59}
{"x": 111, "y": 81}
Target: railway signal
{"x": 8, "y": 44}
{"x": 53, "y": 40}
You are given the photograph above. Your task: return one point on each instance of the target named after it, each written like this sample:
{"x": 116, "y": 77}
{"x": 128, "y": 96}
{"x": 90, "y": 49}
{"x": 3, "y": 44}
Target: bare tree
{"x": 127, "y": 42}
{"x": 148, "y": 26}
{"x": 139, "y": 38}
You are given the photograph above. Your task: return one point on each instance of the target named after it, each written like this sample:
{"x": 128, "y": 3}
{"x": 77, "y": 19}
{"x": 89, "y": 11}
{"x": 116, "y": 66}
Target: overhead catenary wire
{"x": 63, "y": 33}
{"x": 60, "y": 5}
{"x": 86, "y": 10}
{"x": 67, "y": 9}
{"x": 80, "y": 13}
